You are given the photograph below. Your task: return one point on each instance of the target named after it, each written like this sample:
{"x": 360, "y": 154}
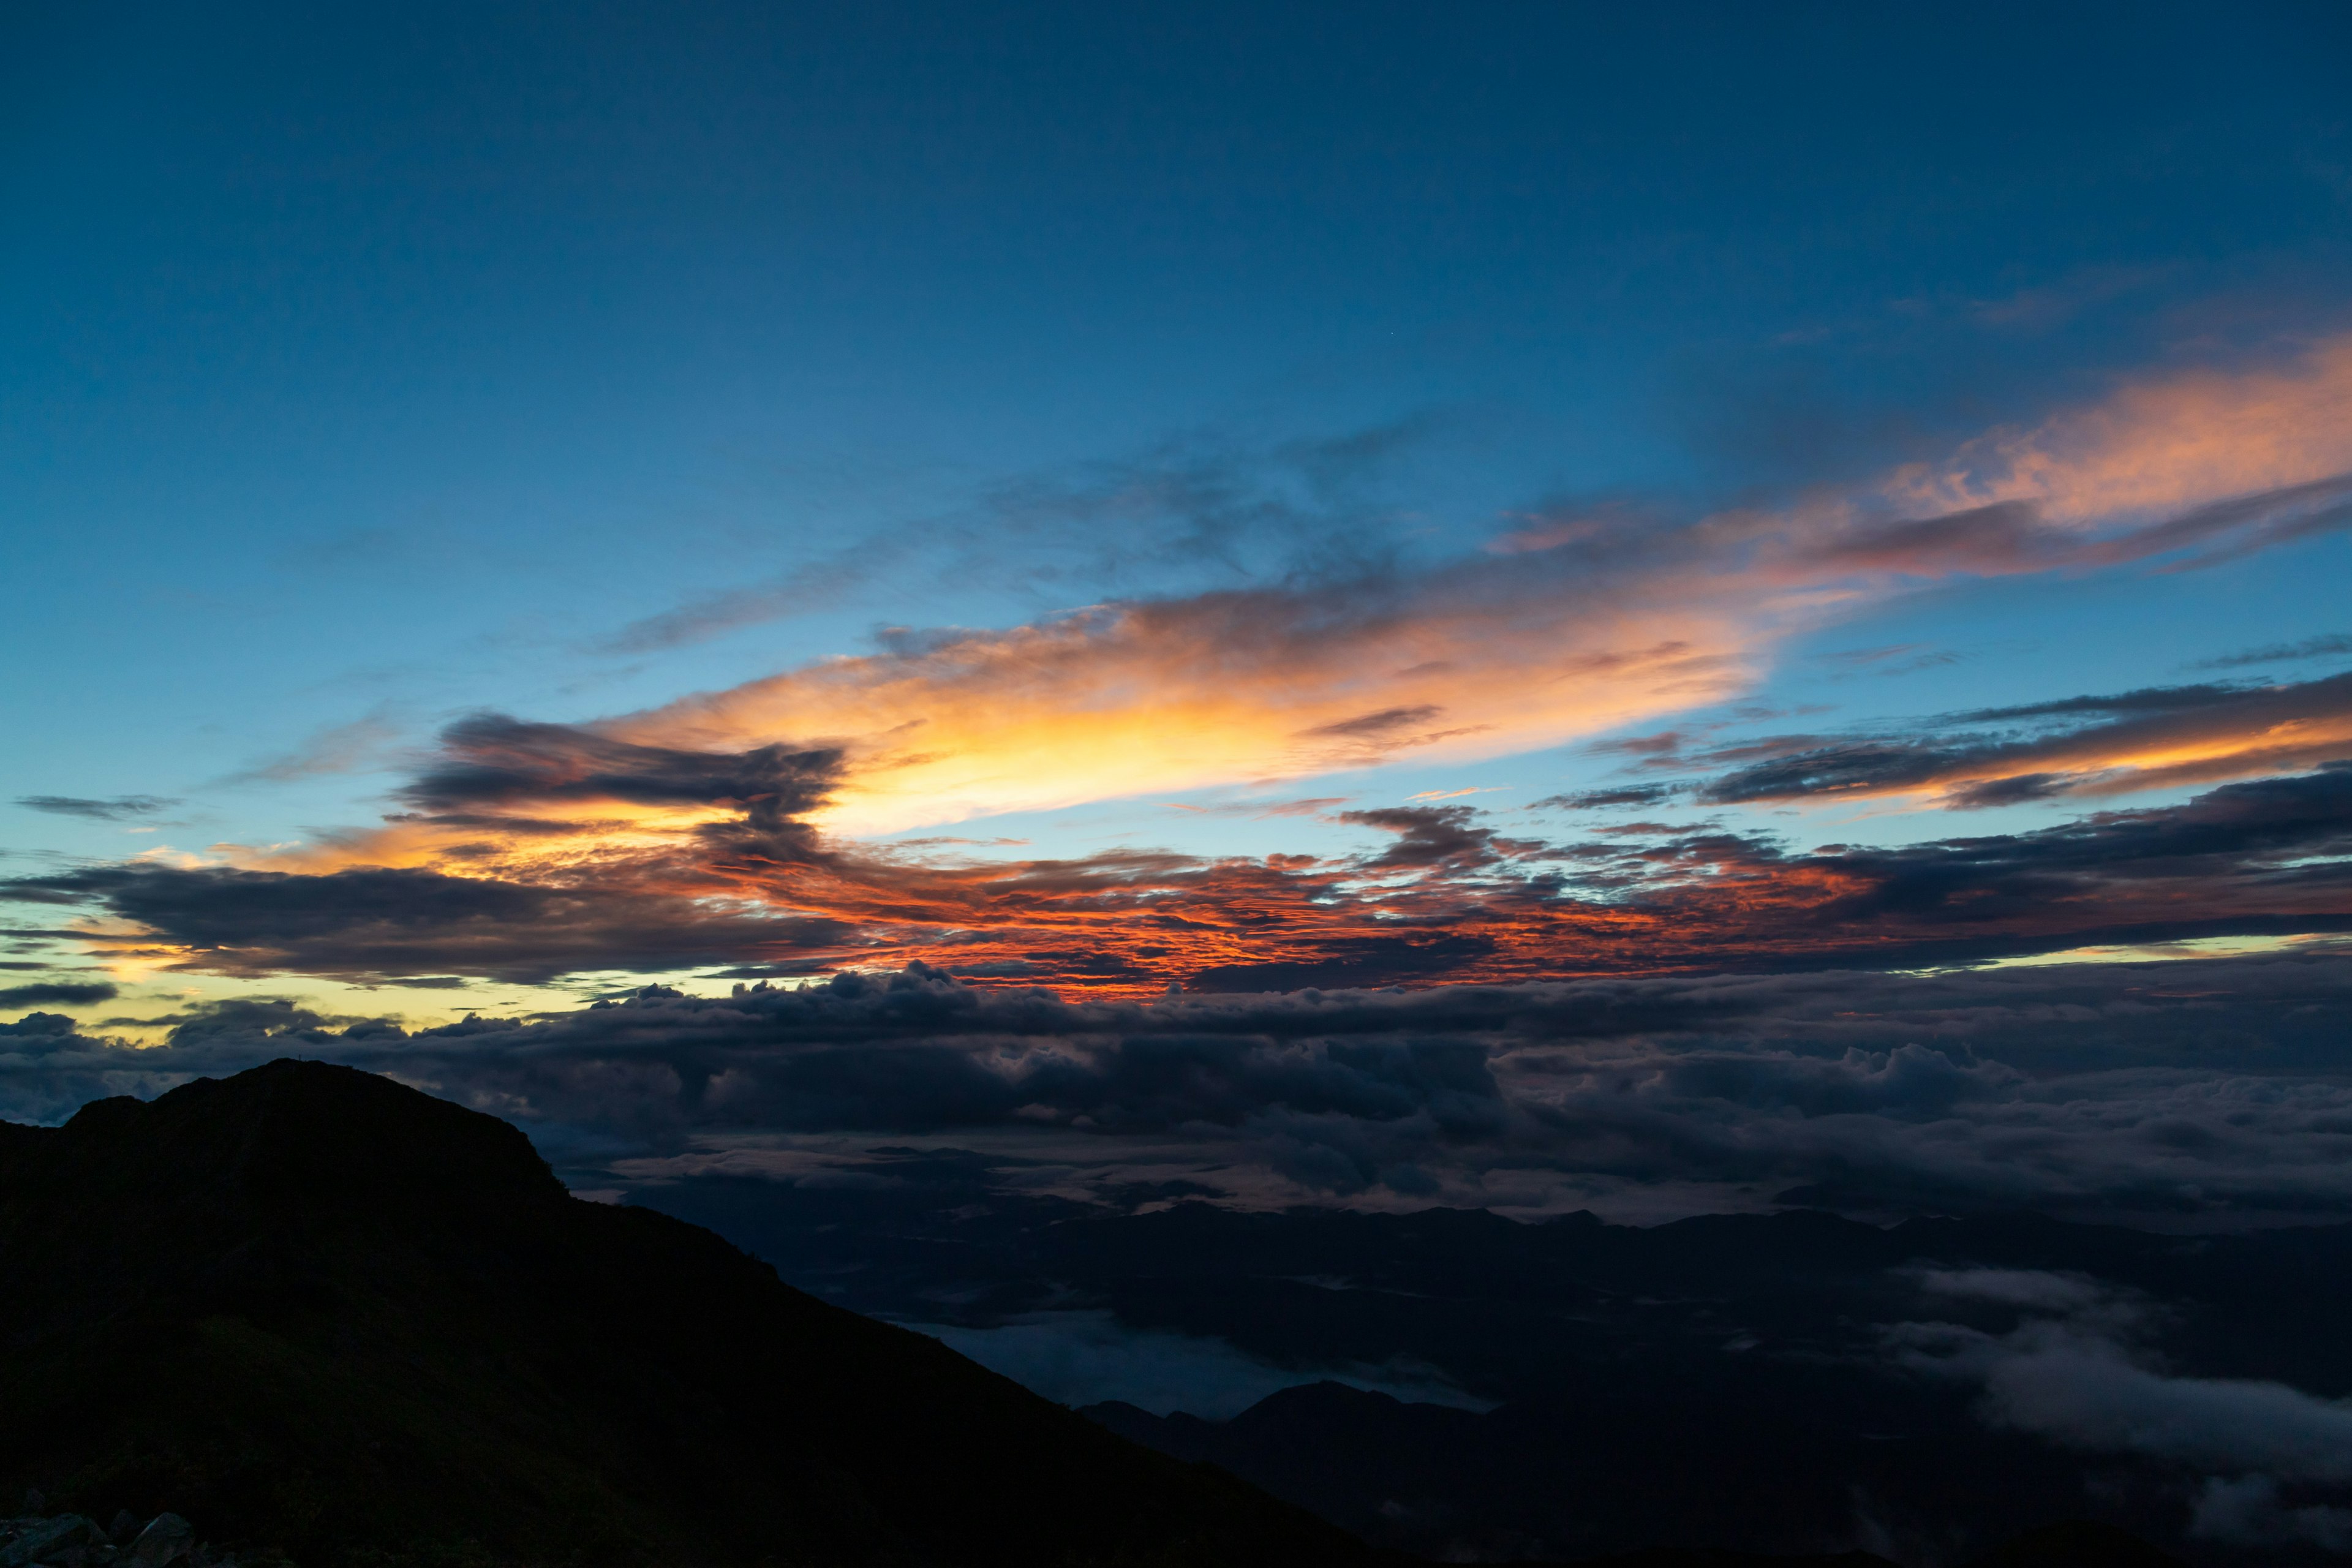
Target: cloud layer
{"x": 1445, "y": 895}
{"x": 2210, "y": 1092}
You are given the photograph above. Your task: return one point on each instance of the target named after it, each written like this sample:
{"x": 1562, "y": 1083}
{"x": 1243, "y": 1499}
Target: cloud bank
{"x": 2205, "y": 1093}
{"x": 1446, "y": 896}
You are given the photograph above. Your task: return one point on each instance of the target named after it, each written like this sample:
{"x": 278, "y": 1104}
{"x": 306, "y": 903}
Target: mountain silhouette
{"x": 317, "y": 1311}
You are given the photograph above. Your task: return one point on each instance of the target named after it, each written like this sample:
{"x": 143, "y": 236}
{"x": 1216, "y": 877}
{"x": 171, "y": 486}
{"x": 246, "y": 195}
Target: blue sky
{"x": 362, "y": 371}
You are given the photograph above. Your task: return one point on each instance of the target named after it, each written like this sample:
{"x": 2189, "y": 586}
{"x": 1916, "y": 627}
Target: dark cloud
{"x": 1859, "y": 765}
{"x": 2143, "y": 739}
{"x": 1425, "y": 955}
{"x": 2144, "y": 700}
{"x": 376, "y": 923}
{"x": 491, "y": 760}
{"x": 1898, "y": 659}
{"x": 1428, "y": 836}
{"x": 64, "y": 992}
{"x": 1364, "y": 739}
{"x": 1377, "y": 726}
{"x": 2019, "y": 789}
{"x": 113, "y": 810}
{"x": 2231, "y": 529}
{"x": 45, "y": 1026}
{"x": 1607, "y": 799}
{"x": 2334, "y": 646}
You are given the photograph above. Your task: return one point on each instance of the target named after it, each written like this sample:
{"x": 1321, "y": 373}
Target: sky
{"x": 512, "y": 508}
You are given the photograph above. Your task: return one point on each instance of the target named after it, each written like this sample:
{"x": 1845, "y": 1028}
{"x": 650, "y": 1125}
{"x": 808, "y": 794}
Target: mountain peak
{"x": 304, "y": 1132}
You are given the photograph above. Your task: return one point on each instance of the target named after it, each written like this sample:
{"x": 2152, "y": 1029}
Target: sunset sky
{"x": 509, "y": 506}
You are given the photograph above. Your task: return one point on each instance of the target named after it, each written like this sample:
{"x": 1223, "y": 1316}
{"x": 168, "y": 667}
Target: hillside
{"x": 314, "y": 1311}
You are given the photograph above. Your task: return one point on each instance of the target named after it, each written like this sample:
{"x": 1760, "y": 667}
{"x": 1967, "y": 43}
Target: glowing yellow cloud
{"x": 1232, "y": 689}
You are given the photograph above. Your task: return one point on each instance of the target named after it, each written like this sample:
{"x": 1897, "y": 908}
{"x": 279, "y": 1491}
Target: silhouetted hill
{"x": 310, "y": 1308}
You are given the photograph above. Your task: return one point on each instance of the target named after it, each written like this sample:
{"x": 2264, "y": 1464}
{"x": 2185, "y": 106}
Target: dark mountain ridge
{"x": 316, "y": 1311}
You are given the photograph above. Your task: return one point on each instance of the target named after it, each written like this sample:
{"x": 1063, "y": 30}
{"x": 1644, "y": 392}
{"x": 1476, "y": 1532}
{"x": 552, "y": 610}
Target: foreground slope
{"x": 317, "y": 1310}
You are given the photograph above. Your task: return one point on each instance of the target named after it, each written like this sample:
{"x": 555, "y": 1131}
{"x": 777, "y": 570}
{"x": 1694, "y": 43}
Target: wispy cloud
{"x": 1235, "y": 509}
{"x": 118, "y": 808}
{"x": 338, "y": 749}
{"x": 2334, "y": 646}
{"x": 2159, "y": 444}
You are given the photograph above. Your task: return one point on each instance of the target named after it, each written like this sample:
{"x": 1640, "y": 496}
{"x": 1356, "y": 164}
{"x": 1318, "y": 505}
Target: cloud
{"x": 372, "y": 923}
{"x": 492, "y": 760}
{"x": 61, "y": 993}
{"x": 1239, "y": 687}
{"x": 114, "y": 810}
{"x": 1429, "y": 835}
{"x": 1443, "y": 897}
{"x": 2246, "y": 1511}
{"x": 2155, "y": 738}
{"x": 1202, "y": 504}
{"x": 1608, "y": 799}
{"x": 338, "y": 749}
{"x": 2076, "y": 1369}
{"x": 2084, "y": 1390}
{"x": 2333, "y": 645}
{"x": 2159, "y": 444}
{"x": 1899, "y": 658}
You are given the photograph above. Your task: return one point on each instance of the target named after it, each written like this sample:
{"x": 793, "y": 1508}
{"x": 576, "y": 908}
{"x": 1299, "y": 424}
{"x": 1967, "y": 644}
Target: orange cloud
{"x": 2159, "y": 444}
{"x": 1238, "y": 687}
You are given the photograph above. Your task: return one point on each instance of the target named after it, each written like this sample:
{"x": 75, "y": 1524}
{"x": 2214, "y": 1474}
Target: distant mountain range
{"x": 1792, "y": 1382}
